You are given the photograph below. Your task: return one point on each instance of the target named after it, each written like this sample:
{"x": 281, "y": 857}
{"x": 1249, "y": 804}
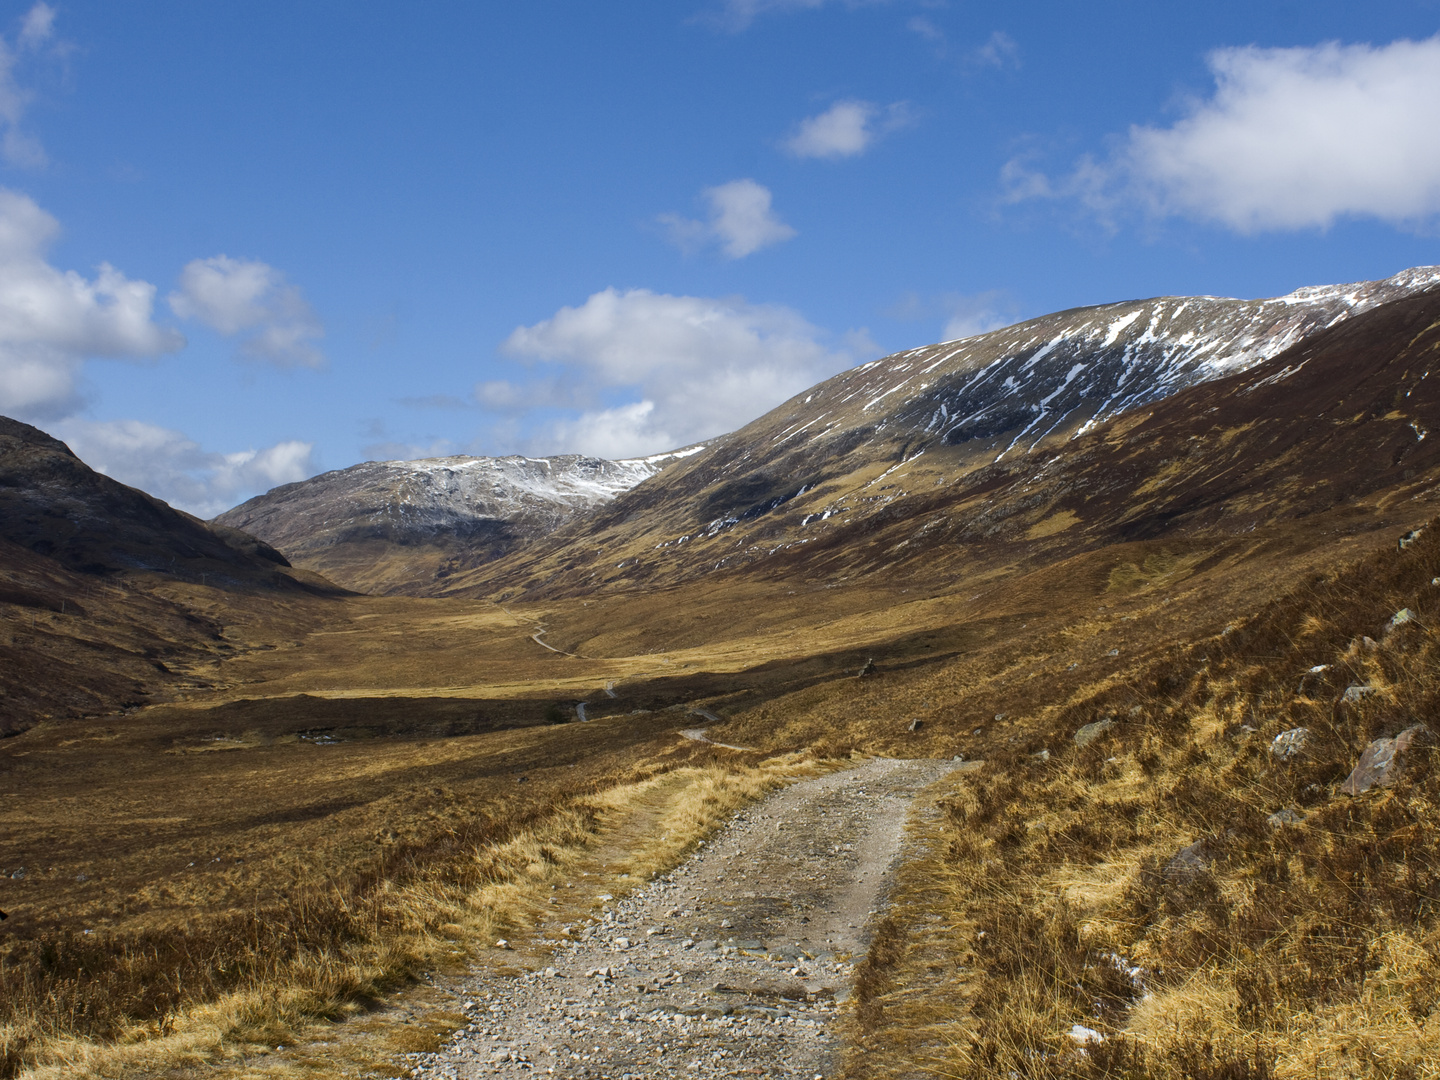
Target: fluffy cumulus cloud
{"x": 665, "y": 371}
{"x": 171, "y": 466}
{"x": 846, "y": 129}
{"x": 740, "y": 222}
{"x": 51, "y": 320}
{"x": 1290, "y": 138}
{"x": 251, "y": 300}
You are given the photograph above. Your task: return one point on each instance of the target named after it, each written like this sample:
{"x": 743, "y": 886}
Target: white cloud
{"x": 17, "y": 146}
{"x": 846, "y": 129}
{"x": 691, "y": 367}
{"x": 171, "y": 466}
{"x": 1291, "y": 138}
{"x": 999, "y": 51}
{"x": 38, "y": 26}
{"x": 504, "y": 396}
{"x": 976, "y": 314}
{"x": 741, "y": 221}
{"x": 964, "y": 314}
{"x": 51, "y": 320}
{"x": 736, "y": 15}
{"x": 251, "y": 298}
{"x": 926, "y": 28}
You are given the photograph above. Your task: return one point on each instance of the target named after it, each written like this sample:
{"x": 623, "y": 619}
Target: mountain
{"x": 404, "y": 526}
{"x": 108, "y": 594}
{"x": 919, "y": 430}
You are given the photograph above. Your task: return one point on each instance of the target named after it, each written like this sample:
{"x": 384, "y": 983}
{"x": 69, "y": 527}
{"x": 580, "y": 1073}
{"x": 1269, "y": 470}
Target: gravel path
{"x": 734, "y": 964}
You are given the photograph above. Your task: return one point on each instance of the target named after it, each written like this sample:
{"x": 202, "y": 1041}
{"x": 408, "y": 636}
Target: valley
{"x": 247, "y": 802}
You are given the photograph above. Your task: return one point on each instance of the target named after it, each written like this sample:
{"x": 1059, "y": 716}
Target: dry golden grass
{"x": 1052, "y": 895}
{"x": 431, "y": 917}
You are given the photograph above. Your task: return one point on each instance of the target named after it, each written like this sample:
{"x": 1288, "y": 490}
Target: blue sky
{"x": 243, "y": 243}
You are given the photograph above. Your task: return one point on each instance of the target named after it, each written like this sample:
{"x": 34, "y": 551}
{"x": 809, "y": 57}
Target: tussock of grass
{"x": 1055, "y": 892}
{"x": 204, "y": 993}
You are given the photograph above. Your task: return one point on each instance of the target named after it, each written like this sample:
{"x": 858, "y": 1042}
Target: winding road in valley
{"x": 737, "y": 963}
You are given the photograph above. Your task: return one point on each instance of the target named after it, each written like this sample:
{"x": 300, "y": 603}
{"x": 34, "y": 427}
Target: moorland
{"x": 240, "y": 800}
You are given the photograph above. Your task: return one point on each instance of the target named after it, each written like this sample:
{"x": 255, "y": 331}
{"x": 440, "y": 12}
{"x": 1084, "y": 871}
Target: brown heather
{"x": 1048, "y": 897}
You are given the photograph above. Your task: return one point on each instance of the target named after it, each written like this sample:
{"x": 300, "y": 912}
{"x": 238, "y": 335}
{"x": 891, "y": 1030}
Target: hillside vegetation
{"x": 274, "y": 803}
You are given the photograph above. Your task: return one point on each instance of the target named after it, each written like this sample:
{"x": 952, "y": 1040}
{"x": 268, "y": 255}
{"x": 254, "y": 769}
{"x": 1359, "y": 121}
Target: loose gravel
{"x": 737, "y": 963}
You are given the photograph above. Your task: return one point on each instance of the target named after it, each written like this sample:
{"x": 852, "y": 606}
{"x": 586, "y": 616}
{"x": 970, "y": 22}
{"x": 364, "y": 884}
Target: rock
{"x": 1090, "y": 732}
{"x": 1289, "y": 745}
{"x": 620, "y": 944}
{"x": 1401, "y": 617}
{"x": 867, "y": 669}
{"x": 18, "y": 874}
{"x": 502, "y": 944}
{"x": 1381, "y": 762}
{"x": 1410, "y": 538}
{"x": 916, "y": 724}
{"x": 1357, "y": 692}
{"x": 1084, "y": 1036}
{"x": 1188, "y": 863}
{"x": 1043, "y": 755}
{"x": 1285, "y": 816}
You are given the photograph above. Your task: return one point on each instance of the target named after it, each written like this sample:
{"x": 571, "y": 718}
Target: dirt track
{"x": 734, "y": 964}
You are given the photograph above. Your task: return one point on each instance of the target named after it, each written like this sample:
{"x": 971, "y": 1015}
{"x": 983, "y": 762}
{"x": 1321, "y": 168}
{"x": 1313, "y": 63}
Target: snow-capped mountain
{"x": 844, "y": 451}
{"x": 433, "y": 515}
{"x": 1063, "y": 372}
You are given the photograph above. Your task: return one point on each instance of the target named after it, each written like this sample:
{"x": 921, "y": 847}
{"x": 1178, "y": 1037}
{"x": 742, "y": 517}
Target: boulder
{"x": 1090, "y": 732}
{"x": 1289, "y": 745}
{"x": 1383, "y": 760}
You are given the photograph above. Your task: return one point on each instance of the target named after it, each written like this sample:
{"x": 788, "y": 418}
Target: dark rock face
{"x": 1383, "y": 760}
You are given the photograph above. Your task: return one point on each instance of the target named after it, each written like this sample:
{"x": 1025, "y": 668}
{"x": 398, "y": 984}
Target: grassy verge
{"x": 1136, "y": 908}
{"x": 215, "y": 990}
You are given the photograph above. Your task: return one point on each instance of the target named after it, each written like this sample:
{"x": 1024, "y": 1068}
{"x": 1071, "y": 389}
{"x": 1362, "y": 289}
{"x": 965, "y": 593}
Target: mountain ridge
{"x": 742, "y": 500}
{"x": 399, "y": 526}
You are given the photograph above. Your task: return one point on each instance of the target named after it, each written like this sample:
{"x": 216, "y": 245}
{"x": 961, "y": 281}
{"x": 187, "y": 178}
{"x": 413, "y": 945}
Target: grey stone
{"x": 916, "y": 724}
{"x": 1401, "y": 617}
{"x": 1289, "y": 745}
{"x": 867, "y": 669}
{"x": 1285, "y": 816}
{"x": 1188, "y": 863}
{"x": 1090, "y": 732}
{"x": 1356, "y": 692}
{"x": 1381, "y": 762}
{"x": 1410, "y": 538}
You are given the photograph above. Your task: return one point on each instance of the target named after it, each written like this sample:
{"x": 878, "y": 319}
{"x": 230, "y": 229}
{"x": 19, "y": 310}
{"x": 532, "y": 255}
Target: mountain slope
{"x": 401, "y": 526}
{"x": 909, "y": 428}
{"x": 108, "y": 595}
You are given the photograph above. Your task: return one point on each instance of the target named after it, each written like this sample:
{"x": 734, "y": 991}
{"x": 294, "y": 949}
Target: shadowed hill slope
{"x": 108, "y": 594}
